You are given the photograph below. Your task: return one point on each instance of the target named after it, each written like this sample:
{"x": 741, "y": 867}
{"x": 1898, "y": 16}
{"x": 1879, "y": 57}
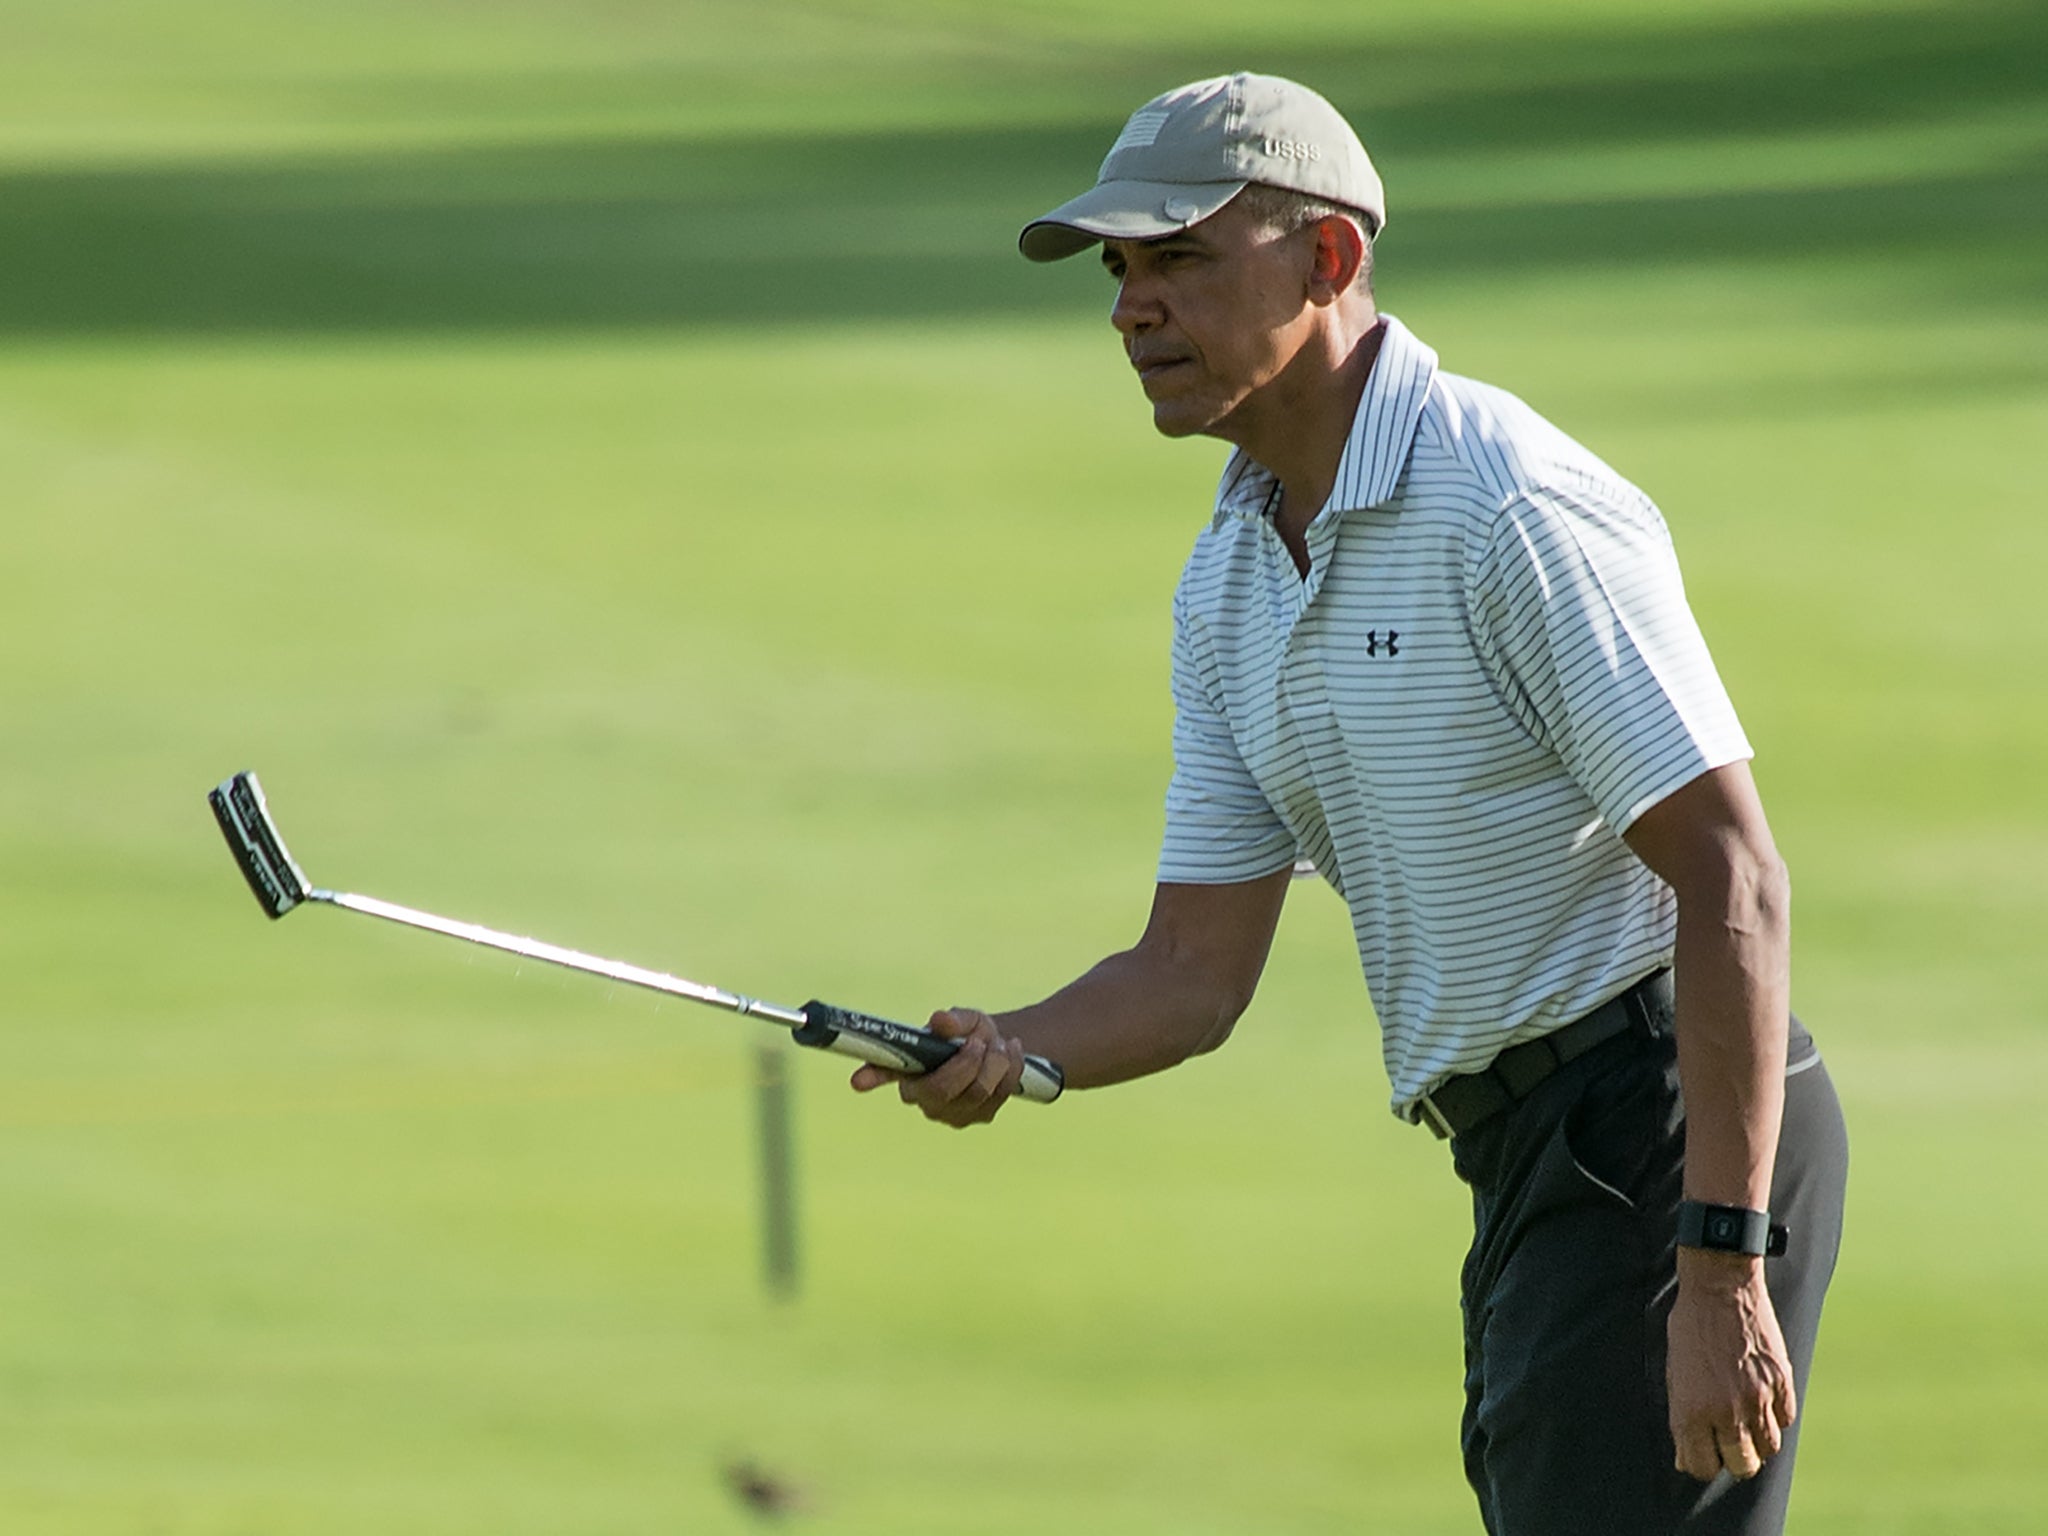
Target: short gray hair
{"x": 1283, "y": 211}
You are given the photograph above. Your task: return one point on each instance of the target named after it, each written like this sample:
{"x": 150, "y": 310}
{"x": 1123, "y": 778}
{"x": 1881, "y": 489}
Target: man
{"x": 1442, "y": 651}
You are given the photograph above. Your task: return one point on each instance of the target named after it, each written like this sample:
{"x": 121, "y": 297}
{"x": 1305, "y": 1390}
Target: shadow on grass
{"x": 921, "y": 224}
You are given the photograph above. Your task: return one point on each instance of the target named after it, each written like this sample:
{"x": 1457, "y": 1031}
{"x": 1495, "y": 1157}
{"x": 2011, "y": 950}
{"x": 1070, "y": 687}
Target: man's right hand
{"x": 970, "y": 1088}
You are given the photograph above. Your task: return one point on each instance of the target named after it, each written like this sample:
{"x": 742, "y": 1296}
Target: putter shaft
{"x": 556, "y": 954}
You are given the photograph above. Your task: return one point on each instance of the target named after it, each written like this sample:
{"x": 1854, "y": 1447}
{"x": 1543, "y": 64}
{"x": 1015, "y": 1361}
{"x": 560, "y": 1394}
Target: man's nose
{"x": 1136, "y": 309}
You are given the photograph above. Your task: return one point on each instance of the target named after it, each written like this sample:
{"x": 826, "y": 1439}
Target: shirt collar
{"x": 1381, "y": 434}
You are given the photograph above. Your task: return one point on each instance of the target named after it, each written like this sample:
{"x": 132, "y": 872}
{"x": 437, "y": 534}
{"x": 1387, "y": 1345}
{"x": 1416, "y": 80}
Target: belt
{"x": 1466, "y": 1100}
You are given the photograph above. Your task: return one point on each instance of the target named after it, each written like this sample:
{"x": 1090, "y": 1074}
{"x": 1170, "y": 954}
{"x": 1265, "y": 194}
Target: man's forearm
{"x": 1132, "y": 1014}
{"x": 1172, "y": 995}
{"x": 1733, "y": 975}
{"x": 1176, "y": 992}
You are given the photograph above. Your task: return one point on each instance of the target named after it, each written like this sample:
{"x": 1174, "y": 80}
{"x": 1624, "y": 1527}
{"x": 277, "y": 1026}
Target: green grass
{"x": 606, "y": 468}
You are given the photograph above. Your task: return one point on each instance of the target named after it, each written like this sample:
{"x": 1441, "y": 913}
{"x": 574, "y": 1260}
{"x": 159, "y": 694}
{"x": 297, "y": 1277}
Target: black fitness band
{"x": 1730, "y": 1229}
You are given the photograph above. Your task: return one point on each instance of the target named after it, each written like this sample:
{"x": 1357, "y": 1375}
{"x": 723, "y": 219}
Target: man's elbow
{"x": 1222, "y": 1023}
{"x": 1212, "y": 1013}
{"x": 1778, "y": 892}
{"x": 1726, "y": 875}
{"x": 1758, "y": 892}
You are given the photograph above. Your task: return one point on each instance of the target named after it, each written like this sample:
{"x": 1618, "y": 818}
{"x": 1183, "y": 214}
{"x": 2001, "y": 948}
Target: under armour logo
{"x": 1373, "y": 642}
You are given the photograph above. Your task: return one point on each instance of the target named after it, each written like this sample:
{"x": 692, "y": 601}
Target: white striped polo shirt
{"x": 1488, "y": 673}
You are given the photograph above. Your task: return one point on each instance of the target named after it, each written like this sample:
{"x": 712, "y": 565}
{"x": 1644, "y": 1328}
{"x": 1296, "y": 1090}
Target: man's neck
{"x": 1300, "y": 432}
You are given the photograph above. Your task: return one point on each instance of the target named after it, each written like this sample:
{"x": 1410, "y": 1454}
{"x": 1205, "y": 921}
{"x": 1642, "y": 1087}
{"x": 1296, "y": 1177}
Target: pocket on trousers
{"x": 1613, "y": 1132}
{"x": 1586, "y": 1174}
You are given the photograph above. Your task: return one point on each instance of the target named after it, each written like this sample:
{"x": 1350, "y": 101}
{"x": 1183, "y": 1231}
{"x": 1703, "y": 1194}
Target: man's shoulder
{"x": 1484, "y": 448}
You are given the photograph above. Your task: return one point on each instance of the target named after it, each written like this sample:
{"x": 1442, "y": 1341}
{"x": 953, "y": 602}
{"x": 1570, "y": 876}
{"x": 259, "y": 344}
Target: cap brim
{"x": 1122, "y": 210}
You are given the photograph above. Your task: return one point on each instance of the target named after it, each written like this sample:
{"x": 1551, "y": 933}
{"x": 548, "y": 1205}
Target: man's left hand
{"x": 1727, "y": 1373}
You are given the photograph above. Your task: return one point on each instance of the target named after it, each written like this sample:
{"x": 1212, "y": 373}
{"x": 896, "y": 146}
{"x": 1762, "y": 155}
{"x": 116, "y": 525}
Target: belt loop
{"x": 1641, "y": 1002}
{"x": 1426, "y": 1113}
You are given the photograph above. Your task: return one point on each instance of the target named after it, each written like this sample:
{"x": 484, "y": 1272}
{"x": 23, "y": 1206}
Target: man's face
{"x": 1210, "y": 317}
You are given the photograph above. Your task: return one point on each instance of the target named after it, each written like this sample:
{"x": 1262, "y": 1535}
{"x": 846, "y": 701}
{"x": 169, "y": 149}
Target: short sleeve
{"x": 1581, "y": 616}
{"x": 1220, "y": 827}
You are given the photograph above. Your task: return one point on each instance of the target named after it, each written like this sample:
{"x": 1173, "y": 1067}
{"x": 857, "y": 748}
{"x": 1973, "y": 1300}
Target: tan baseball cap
{"x": 1184, "y": 155}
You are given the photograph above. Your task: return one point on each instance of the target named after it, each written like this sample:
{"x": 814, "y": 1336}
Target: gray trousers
{"x": 1570, "y": 1281}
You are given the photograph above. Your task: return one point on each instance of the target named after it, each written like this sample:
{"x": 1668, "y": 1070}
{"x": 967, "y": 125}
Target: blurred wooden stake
{"x": 779, "y": 1267}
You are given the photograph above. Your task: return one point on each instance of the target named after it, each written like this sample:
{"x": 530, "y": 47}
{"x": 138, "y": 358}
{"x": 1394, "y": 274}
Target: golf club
{"x": 280, "y": 885}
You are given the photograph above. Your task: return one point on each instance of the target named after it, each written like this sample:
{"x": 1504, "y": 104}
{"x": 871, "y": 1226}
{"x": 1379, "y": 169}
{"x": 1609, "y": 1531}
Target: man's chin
{"x": 1172, "y": 419}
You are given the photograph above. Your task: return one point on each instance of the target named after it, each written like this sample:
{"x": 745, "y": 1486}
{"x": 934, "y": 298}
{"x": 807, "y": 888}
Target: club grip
{"x": 903, "y": 1048}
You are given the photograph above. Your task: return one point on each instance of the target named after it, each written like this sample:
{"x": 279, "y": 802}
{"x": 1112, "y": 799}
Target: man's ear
{"x": 1339, "y": 253}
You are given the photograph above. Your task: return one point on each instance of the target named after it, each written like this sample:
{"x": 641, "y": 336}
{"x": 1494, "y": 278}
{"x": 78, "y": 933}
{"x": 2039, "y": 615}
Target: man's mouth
{"x": 1151, "y": 368}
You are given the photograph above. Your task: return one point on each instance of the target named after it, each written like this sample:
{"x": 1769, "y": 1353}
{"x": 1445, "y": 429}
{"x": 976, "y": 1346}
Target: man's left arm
{"x": 1729, "y": 1377}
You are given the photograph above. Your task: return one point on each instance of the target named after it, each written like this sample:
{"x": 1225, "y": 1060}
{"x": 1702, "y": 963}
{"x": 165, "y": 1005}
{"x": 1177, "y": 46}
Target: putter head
{"x": 245, "y": 822}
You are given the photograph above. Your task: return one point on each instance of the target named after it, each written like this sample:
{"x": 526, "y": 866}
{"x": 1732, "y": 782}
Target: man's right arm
{"x": 1174, "y": 994}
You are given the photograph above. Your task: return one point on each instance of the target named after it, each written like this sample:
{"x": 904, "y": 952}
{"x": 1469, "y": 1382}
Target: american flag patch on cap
{"x": 1141, "y": 132}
